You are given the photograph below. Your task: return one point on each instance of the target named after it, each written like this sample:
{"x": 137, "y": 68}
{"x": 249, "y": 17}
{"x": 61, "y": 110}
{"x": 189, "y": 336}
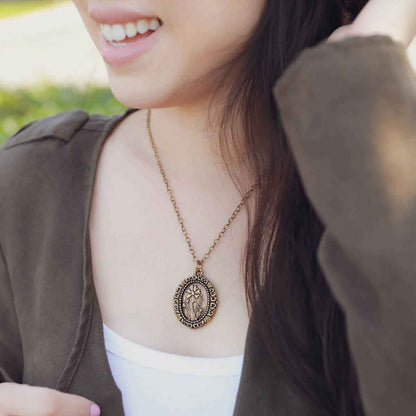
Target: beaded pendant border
{"x": 195, "y": 301}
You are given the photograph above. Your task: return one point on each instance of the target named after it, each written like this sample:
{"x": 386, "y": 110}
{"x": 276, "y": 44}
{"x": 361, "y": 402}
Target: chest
{"x": 140, "y": 256}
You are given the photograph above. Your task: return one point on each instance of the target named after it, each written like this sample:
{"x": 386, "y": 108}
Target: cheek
{"x": 203, "y": 43}
{"x": 195, "y": 43}
{"x": 209, "y": 43}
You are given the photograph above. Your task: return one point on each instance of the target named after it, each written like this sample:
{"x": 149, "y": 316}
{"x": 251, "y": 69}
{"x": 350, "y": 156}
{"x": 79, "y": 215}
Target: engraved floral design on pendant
{"x": 195, "y": 301}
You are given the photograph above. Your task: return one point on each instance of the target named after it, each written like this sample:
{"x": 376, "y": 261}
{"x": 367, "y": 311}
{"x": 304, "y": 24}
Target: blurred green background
{"x": 10, "y": 8}
{"x": 33, "y": 99}
{"x": 19, "y": 106}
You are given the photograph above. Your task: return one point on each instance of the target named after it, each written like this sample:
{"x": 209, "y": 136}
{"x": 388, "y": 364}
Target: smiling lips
{"x": 128, "y": 49}
{"x": 120, "y": 31}
{"x": 126, "y": 34}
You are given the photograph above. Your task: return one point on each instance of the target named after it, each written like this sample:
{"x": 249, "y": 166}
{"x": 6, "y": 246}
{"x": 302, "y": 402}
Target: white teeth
{"x": 154, "y": 24}
{"x": 142, "y": 26}
{"x": 107, "y": 32}
{"x": 118, "y": 32}
{"x": 131, "y": 30}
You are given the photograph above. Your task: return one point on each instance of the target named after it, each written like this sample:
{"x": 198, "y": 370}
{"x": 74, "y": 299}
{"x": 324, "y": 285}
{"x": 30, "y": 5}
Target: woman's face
{"x": 196, "y": 37}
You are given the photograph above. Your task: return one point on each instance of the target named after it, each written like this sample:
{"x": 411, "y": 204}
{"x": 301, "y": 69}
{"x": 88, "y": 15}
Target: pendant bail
{"x": 198, "y": 267}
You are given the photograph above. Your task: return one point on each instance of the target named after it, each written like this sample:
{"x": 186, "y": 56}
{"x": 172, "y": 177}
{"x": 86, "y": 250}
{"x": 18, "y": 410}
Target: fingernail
{"x": 94, "y": 410}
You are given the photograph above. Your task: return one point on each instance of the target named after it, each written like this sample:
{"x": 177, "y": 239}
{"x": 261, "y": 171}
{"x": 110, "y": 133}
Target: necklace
{"x": 195, "y": 300}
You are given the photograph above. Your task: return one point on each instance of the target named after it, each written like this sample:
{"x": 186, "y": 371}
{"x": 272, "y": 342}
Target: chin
{"x": 140, "y": 97}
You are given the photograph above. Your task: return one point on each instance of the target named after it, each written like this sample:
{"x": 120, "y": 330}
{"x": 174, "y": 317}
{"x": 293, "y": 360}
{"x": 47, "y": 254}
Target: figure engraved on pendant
{"x": 193, "y": 302}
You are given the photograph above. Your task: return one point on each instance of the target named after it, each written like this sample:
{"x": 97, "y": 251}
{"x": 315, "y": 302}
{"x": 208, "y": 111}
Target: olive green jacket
{"x": 349, "y": 110}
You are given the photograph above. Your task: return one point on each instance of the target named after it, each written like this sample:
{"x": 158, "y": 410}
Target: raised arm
{"x": 349, "y": 111}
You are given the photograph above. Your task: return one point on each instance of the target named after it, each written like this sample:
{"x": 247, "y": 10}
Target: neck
{"x": 187, "y": 141}
{"x": 188, "y": 149}
{"x": 182, "y": 135}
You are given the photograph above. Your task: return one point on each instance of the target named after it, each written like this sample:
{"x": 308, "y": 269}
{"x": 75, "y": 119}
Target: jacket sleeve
{"x": 349, "y": 111}
{"x": 11, "y": 355}
{"x": 11, "y": 362}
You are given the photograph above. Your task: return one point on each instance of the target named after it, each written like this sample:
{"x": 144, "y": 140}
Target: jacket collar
{"x": 263, "y": 390}
{"x": 61, "y": 126}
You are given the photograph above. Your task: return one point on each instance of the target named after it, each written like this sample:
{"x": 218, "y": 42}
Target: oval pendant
{"x": 195, "y": 301}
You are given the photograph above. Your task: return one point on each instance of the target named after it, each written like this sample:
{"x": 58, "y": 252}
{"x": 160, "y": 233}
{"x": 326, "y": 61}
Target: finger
{"x": 25, "y": 400}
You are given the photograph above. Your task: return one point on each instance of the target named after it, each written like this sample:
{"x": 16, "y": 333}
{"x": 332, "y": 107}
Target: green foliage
{"x": 10, "y": 8}
{"x": 20, "y": 106}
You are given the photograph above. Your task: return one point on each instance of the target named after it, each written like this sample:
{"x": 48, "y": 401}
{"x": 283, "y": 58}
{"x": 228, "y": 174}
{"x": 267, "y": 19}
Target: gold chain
{"x": 169, "y": 190}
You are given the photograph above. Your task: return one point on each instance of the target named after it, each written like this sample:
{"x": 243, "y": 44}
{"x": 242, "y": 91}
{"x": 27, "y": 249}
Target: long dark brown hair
{"x": 301, "y": 324}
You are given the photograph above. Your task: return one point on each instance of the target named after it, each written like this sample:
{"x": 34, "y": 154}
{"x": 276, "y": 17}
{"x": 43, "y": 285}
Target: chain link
{"x": 169, "y": 190}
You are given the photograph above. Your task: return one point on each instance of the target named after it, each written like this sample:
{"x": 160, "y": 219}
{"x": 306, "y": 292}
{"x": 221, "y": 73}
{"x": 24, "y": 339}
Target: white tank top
{"x": 156, "y": 383}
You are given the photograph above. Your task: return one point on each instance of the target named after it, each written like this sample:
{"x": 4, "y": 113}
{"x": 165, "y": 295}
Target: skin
{"x": 138, "y": 261}
{"x": 178, "y": 92}
{"x": 139, "y": 253}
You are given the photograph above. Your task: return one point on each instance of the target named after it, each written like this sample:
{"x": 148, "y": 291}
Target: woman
{"x": 310, "y": 106}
